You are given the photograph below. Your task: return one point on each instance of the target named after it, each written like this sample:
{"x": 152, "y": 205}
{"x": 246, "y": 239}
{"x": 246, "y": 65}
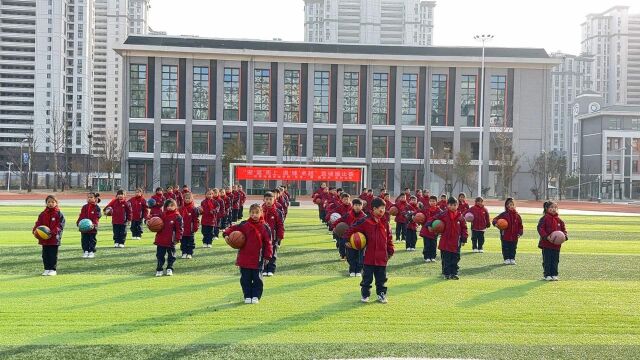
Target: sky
{"x": 550, "y": 24}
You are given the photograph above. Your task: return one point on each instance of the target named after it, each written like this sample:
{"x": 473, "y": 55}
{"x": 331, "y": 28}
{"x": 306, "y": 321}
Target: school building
{"x": 193, "y": 105}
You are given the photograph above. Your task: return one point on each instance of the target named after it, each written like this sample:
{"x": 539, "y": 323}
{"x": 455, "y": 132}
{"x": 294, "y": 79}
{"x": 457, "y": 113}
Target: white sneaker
{"x": 209, "y": 246}
{"x": 382, "y": 298}
{"x": 513, "y": 262}
{"x": 121, "y": 245}
{"x": 184, "y": 256}
{"x": 45, "y": 273}
{"x": 158, "y": 273}
{"x": 264, "y": 273}
{"x": 91, "y": 255}
{"x": 269, "y": 273}
{"x": 427, "y": 260}
{"x": 85, "y": 254}
{"x": 352, "y": 274}
{"x": 547, "y": 278}
{"x": 169, "y": 272}
{"x": 358, "y": 274}
{"x": 507, "y": 262}
{"x": 433, "y": 260}
{"x": 480, "y": 250}
{"x": 255, "y": 300}
{"x": 116, "y": 245}
{"x": 52, "y": 273}
{"x": 554, "y": 278}
{"x": 474, "y": 250}
{"x": 247, "y": 300}
{"x": 189, "y": 256}
{"x": 365, "y": 299}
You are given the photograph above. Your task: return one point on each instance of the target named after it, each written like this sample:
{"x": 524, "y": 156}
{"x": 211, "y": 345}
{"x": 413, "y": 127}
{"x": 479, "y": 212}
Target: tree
{"x": 507, "y": 159}
{"x": 58, "y": 140}
{"x": 537, "y": 166}
{"x": 557, "y": 169}
{"x": 111, "y": 156}
{"x": 233, "y": 152}
{"x": 463, "y": 171}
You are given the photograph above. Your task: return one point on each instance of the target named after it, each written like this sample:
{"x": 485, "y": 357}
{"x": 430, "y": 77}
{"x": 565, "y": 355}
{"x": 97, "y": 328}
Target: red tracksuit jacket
{"x": 341, "y": 209}
{"x": 273, "y": 217}
{"x": 257, "y": 247}
{"x": 480, "y": 218}
{"x": 120, "y": 211}
{"x": 91, "y": 212}
{"x": 379, "y": 241}
{"x": 548, "y": 224}
{"x": 351, "y": 217}
{"x": 243, "y": 198}
{"x": 54, "y": 220}
{"x": 401, "y": 205}
{"x": 455, "y": 231}
{"x": 156, "y": 210}
{"x": 236, "y": 199}
{"x": 515, "y": 229}
{"x": 190, "y": 219}
{"x": 210, "y": 209}
{"x": 463, "y": 207}
{"x": 222, "y": 210}
{"x": 430, "y": 213}
{"x": 442, "y": 204}
{"x": 178, "y": 197}
{"x": 139, "y": 208}
{"x": 409, "y": 212}
{"x": 171, "y": 233}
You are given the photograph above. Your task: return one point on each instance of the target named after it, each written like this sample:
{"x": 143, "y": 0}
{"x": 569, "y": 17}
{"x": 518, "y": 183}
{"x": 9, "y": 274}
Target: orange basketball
{"x": 502, "y": 224}
{"x": 393, "y": 211}
{"x": 318, "y": 201}
{"x": 340, "y": 229}
{"x": 419, "y": 218}
{"x": 155, "y": 224}
{"x": 357, "y": 241}
{"x": 236, "y": 239}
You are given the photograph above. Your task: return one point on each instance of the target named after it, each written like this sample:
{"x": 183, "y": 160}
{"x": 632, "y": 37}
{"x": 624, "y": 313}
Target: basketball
{"x": 85, "y": 225}
{"x": 151, "y": 202}
{"x": 393, "y": 211}
{"x": 502, "y": 224}
{"x": 43, "y": 232}
{"x": 155, "y": 224}
{"x": 357, "y": 241}
{"x": 236, "y": 239}
{"x": 437, "y": 226}
{"x": 419, "y": 218}
{"x": 468, "y": 217}
{"x": 557, "y": 237}
{"x": 334, "y": 217}
{"x": 108, "y": 211}
{"x": 318, "y": 201}
{"x": 340, "y": 229}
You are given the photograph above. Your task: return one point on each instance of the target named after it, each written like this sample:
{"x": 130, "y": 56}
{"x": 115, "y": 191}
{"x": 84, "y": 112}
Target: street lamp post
{"x": 482, "y": 38}
{"x": 300, "y": 163}
{"x": 9, "y": 174}
{"x": 544, "y": 173}
{"x": 21, "y": 163}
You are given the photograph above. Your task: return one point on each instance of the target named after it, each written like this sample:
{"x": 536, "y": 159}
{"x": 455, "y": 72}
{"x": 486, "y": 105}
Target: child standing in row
{"x": 479, "y": 224}
{"x": 453, "y": 237}
{"x": 509, "y": 236}
{"x": 120, "y": 217}
{"x": 411, "y": 236}
{"x": 158, "y": 199}
{"x": 549, "y": 223}
{"x": 52, "y": 218}
{"x": 139, "y": 212}
{"x": 274, "y": 219}
{"x": 90, "y": 211}
{"x": 354, "y": 256}
{"x": 168, "y": 237}
{"x": 191, "y": 219}
{"x": 252, "y": 256}
{"x": 210, "y": 210}
{"x": 430, "y": 238}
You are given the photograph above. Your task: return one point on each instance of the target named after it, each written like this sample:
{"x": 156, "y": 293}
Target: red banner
{"x": 298, "y": 173}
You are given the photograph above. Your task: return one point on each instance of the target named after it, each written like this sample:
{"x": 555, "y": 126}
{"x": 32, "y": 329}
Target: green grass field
{"x": 113, "y": 307}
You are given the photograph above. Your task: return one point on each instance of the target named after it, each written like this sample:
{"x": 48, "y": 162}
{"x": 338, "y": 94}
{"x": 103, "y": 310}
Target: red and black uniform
{"x": 228, "y": 207}
{"x": 463, "y": 207}
{"x": 221, "y": 211}
{"x": 317, "y": 195}
{"x": 354, "y": 257}
{"x": 429, "y": 238}
{"x": 251, "y": 257}
{"x": 191, "y": 221}
{"x": 550, "y": 251}
{"x": 168, "y": 237}
{"x": 54, "y": 220}
{"x": 387, "y": 205}
{"x": 139, "y": 212}
{"x": 177, "y": 194}
{"x": 235, "y": 206}
{"x": 88, "y": 239}
{"x": 401, "y": 220}
{"x": 377, "y": 252}
{"x": 156, "y": 209}
{"x": 120, "y": 216}
{"x": 442, "y": 204}
{"x": 509, "y": 236}
{"x": 454, "y": 236}
{"x": 479, "y": 224}
{"x": 284, "y": 205}
{"x": 274, "y": 219}
{"x": 210, "y": 209}
{"x": 243, "y": 199}
{"x": 411, "y": 236}
{"x": 342, "y": 210}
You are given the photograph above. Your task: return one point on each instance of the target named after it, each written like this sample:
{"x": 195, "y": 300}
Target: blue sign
{"x": 25, "y": 158}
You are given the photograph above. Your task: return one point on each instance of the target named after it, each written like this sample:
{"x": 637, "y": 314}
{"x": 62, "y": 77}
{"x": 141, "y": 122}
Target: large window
{"x": 200, "y": 141}
{"x": 468, "y": 99}
{"x": 409, "y": 179}
{"x": 137, "y": 140}
{"x": 169, "y": 141}
{"x": 439, "y": 100}
{"x": 261, "y": 144}
{"x": 614, "y": 124}
{"x": 261, "y": 94}
{"x": 233, "y": 143}
{"x": 321, "y": 145}
{"x": 380, "y": 146}
{"x": 321, "y": 97}
{"x": 379, "y": 178}
{"x": 350, "y": 146}
{"x": 138, "y": 100}
{"x": 498, "y": 92}
{"x": 291, "y": 144}
{"x": 292, "y": 96}
{"x": 350, "y": 96}
{"x": 409, "y": 99}
{"x": 380, "y": 99}
{"x": 137, "y": 176}
{"x": 200, "y": 93}
{"x": 201, "y": 176}
{"x": 231, "y": 100}
{"x": 409, "y": 147}
{"x": 169, "y": 91}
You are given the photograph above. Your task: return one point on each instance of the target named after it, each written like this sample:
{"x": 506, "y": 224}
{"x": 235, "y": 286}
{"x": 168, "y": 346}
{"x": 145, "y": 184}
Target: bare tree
{"x": 537, "y": 166}
{"x": 232, "y": 153}
{"x": 111, "y": 156}
{"x": 507, "y": 159}
{"x": 58, "y": 141}
{"x": 463, "y": 171}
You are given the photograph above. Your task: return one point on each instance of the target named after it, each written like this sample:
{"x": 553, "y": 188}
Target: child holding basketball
{"x": 479, "y": 224}
{"x": 158, "y": 200}
{"x": 430, "y": 238}
{"x": 549, "y": 223}
{"x": 168, "y": 237}
{"x": 510, "y": 235}
{"x": 354, "y": 256}
{"x": 54, "y": 220}
{"x": 210, "y": 208}
{"x": 120, "y": 217}
{"x": 191, "y": 220}
{"x": 410, "y": 210}
{"x": 453, "y": 237}
{"x": 463, "y": 206}
{"x": 401, "y": 220}
{"x": 90, "y": 211}
{"x": 378, "y": 250}
{"x": 252, "y": 256}
{"x": 139, "y": 212}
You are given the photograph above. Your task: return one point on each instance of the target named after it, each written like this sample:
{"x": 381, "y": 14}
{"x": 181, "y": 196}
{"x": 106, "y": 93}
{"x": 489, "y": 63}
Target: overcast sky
{"x": 550, "y": 24}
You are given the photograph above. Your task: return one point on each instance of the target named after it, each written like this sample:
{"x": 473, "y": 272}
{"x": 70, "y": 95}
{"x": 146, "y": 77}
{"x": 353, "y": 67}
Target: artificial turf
{"x": 113, "y": 307}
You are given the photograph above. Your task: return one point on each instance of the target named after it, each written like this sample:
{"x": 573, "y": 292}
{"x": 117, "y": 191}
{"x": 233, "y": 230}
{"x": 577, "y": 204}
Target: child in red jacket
{"x": 120, "y": 217}
{"x": 377, "y": 252}
{"x": 274, "y": 219}
{"x": 453, "y": 237}
{"x": 430, "y": 238}
{"x": 442, "y": 204}
{"x": 549, "y": 223}
{"x": 342, "y": 209}
{"x": 354, "y": 257}
{"x": 52, "y": 218}
{"x": 401, "y": 220}
{"x": 410, "y": 210}
{"x": 90, "y": 211}
{"x": 463, "y": 206}
{"x": 168, "y": 237}
{"x": 191, "y": 220}
{"x": 509, "y": 236}
{"x": 210, "y": 208}
{"x": 158, "y": 198}
{"x": 243, "y": 199}
{"x": 139, "y": 212}
{"x": 252, "y": 256}
{"x": 479, "y": 224}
